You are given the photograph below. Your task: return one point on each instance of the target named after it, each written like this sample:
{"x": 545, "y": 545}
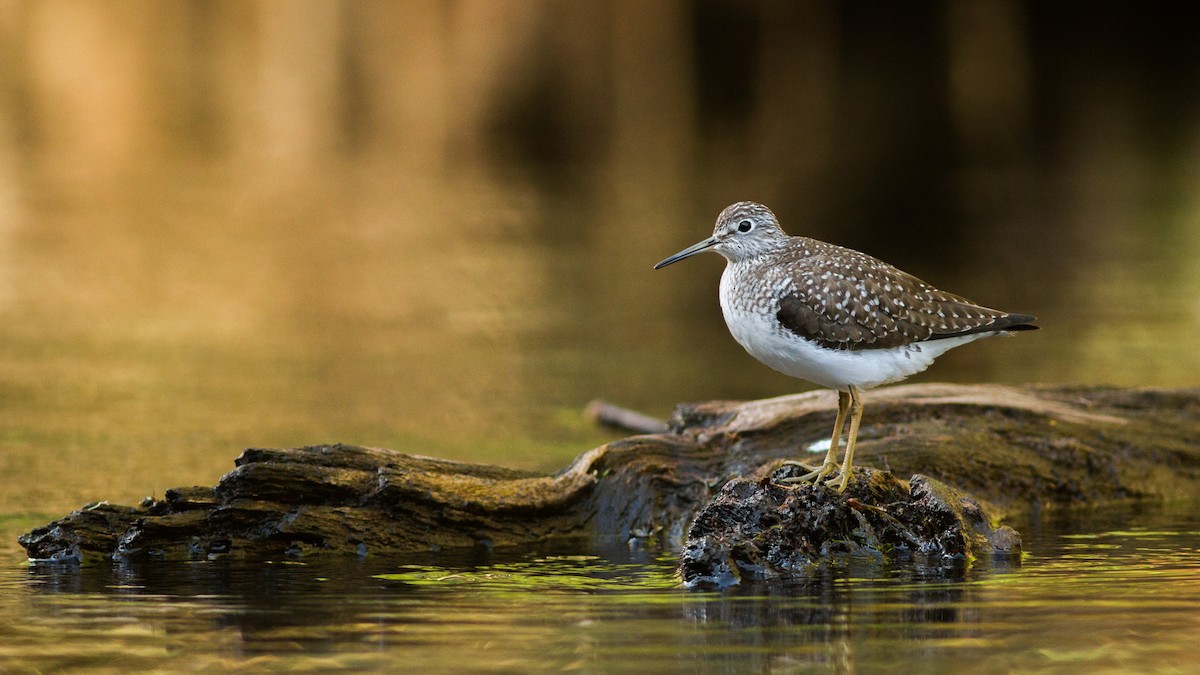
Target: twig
{"x": 622, "y": 419}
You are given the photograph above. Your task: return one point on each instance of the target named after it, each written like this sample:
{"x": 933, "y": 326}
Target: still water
{"x": 1096, "y": 592}
{"x": 430, "y": 227}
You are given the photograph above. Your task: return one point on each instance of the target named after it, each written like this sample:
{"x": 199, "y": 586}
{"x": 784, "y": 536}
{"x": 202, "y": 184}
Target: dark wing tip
{"x": 1006, "y": 322}
{"x": 1017, "y": 322}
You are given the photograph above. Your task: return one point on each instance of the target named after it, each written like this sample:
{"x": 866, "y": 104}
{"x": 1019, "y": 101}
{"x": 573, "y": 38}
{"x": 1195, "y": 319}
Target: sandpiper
{"x": 834, "y": 316}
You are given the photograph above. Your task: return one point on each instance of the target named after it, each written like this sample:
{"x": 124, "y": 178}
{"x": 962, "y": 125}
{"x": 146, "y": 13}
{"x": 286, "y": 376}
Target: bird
{"x": 835, "y": 317}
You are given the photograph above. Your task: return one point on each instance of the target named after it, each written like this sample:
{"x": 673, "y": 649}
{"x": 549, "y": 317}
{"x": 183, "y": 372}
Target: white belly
{"x": 761, "y": 335}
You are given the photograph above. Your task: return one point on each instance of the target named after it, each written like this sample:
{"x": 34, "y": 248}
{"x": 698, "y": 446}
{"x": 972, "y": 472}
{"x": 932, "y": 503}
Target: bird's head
{"x": 744, "y": 230}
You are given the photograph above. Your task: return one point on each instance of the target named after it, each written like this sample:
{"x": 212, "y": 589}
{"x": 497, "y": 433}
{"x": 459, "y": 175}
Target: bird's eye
{"x": 745, "y": 226}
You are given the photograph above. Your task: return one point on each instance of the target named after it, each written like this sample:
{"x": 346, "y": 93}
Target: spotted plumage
{"x": 842, "y": 299}
{"x": 832, "y": 315}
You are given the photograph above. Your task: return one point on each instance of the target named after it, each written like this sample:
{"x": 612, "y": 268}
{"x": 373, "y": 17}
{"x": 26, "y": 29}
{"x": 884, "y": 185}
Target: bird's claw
{"x": 814, "y": 476}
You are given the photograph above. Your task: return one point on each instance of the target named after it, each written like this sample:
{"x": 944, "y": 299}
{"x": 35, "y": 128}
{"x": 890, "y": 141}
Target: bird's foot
{"x": 813, "y": 476}
{"x": 838, "y": 481}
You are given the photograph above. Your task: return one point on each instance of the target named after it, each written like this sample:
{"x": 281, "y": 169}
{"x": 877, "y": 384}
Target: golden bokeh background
{"x": 430, "y": 225}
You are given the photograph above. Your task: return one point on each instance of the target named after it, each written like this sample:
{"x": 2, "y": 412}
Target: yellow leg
{"x": 835, "y": 443}
{"x": 830, "y": 462}
{"x": 856, "y": 411}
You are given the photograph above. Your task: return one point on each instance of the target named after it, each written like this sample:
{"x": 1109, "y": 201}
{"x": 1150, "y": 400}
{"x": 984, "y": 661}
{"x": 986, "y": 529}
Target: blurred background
{"x": 430, "y": 225}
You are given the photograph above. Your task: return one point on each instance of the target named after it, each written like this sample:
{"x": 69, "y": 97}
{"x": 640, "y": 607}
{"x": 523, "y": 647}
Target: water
{"x": 1112, "y": 590}
{"x": 430, "y": 226}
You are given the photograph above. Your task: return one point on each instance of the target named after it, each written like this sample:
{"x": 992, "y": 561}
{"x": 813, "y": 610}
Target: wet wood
{"x": 1012, "y": 448}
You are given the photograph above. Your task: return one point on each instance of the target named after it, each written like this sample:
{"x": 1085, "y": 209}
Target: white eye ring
{"x": 745, "y": 226}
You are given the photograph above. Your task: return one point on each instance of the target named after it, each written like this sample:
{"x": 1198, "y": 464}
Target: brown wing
{"x": 848, "y": 300}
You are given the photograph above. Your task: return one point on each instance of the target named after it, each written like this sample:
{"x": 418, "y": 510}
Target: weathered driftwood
{"x": 1012, "y": 447}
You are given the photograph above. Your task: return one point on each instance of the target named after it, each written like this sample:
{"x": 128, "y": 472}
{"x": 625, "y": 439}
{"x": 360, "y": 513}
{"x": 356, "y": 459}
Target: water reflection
{"x": 1087, "y": 597}
{"x": 618, "y": 608}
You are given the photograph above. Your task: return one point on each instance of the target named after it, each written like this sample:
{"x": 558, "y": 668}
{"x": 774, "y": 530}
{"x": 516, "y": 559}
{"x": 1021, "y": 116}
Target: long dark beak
{"x": 688, "y": 252}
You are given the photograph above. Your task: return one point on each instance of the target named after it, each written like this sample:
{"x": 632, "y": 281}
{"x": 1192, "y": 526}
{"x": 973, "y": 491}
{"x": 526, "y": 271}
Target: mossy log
{"x": 764, "y": 530}
{"x": 1012, "y": 448}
